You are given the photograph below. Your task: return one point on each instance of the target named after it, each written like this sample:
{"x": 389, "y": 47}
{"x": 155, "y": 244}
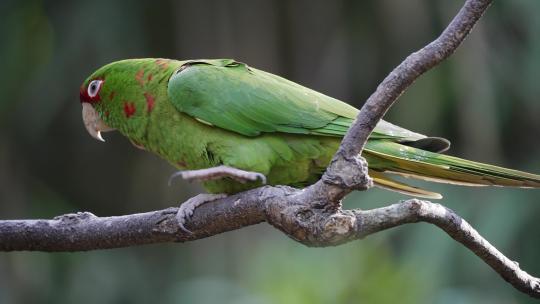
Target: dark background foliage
{"x": 485, "y": 99}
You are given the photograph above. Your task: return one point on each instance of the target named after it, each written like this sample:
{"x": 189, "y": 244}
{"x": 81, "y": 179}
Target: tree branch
{"x": 287, "y": 209}
{"x": 312, "y": 215}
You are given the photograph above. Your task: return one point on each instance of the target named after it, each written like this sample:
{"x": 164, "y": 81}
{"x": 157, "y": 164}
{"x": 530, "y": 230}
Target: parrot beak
{"x": 93, "y": 123}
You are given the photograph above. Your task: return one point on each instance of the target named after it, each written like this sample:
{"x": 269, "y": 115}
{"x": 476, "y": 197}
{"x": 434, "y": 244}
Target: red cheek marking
{"x": 84, "y": 97}
{"x": 129, "y": 109}
{"x": 150, "y": 76}
{"x": 139, "y": 77}
{"x": 149, "y": 102}
{"x": 111, "y": 96}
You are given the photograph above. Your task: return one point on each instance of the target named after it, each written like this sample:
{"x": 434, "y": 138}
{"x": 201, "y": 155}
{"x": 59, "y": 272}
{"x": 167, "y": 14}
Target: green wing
{"x": 233, "y": 96}
{"x": 239, "y": 98}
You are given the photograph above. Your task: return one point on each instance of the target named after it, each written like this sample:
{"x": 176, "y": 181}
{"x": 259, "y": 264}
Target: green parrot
{"x": 235, "y": 127}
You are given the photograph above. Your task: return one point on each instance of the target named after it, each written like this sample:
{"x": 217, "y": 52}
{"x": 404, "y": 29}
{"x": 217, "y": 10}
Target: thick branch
{"x": 85, "y": 231}
{"x": 287, "y": 209}
{"x": 312, "y": 215}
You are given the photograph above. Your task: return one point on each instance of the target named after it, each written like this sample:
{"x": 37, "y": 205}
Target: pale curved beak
{"x": 93, "y": 123}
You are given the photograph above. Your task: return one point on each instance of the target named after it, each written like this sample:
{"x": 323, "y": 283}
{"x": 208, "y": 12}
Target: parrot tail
{"x": 388, "y": 158}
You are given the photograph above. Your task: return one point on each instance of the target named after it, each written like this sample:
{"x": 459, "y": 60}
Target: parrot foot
{"x": 186, "y": 209}
{"x": 219, "y": 173}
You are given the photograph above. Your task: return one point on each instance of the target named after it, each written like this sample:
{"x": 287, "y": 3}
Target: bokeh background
{"x": 484, "y": 98}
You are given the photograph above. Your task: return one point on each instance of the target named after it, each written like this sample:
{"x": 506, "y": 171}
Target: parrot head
{"x": 90, "y": 95}
{"x": 120, "y": 96}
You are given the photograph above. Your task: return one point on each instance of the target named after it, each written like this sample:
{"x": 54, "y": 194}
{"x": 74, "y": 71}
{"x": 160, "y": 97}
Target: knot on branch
{"x": 74, "y": 218}
{"x": 313, "y": 225}
{"x": 348, "y": 173}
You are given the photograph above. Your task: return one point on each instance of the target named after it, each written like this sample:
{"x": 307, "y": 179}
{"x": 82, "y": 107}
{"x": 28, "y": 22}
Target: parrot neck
{"x": 178, "y": 138}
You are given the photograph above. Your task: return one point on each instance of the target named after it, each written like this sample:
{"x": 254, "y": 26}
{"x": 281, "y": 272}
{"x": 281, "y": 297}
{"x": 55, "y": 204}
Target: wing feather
{"x": 242, "y": 99}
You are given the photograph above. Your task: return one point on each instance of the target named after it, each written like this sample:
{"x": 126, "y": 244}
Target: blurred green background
{"x": 485, "y": 99}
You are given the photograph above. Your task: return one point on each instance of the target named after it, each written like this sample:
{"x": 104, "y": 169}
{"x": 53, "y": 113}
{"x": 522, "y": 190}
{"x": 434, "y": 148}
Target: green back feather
{"x": 235, "y": 97}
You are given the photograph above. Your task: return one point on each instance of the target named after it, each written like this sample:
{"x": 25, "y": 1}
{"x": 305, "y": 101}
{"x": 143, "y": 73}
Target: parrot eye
{"x": 94, "y": 87}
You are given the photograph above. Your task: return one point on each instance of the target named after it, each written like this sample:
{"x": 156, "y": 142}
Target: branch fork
{"x": 349, "y": 173}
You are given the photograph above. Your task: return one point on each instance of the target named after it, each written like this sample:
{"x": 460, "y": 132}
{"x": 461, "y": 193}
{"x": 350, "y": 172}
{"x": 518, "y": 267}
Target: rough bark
{"x": 311, "y": 216}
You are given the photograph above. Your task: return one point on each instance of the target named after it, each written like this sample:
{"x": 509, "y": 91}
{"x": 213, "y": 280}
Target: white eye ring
{"x": 94, "y": 87}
